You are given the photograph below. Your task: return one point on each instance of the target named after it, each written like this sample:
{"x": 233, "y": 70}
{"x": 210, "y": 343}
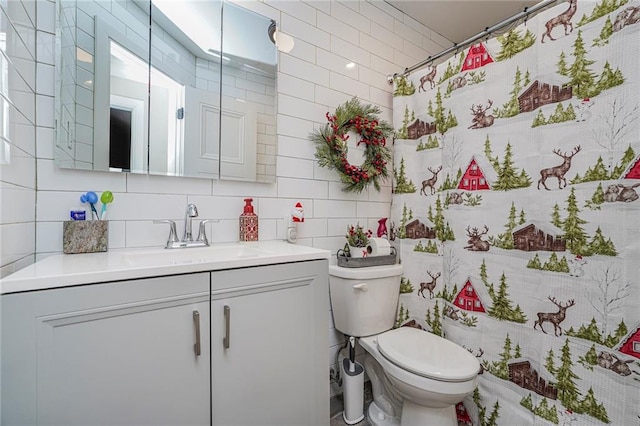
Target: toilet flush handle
{"x": 361, "y": 287}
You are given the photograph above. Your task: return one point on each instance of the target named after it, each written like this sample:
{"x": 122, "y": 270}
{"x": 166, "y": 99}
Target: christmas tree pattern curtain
{"x": 517, "y": 218}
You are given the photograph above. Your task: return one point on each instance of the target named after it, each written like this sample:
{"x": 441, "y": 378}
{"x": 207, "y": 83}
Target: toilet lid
{"x": 427, "y": 355}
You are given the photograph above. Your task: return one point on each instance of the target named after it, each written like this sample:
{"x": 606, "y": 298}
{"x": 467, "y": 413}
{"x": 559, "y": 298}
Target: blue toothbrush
{"x": 91, "y": 198}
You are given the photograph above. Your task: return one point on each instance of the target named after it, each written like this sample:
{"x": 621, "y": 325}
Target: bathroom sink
{"x": 211, "y": 254}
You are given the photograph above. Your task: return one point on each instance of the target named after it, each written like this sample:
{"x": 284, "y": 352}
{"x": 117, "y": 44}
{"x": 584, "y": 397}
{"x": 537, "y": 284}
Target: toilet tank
{"x": 364, "y": 300}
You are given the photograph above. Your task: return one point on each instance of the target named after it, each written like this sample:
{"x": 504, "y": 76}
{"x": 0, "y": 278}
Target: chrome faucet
{"x": 187, "y": 237}
{"x": 189, "y": 214}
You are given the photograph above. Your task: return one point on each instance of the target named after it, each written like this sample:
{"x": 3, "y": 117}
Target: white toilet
{"x": 416, "y": 377}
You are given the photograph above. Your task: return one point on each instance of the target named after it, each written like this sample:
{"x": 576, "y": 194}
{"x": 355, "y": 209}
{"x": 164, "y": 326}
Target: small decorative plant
{"x": 357, "y": 236}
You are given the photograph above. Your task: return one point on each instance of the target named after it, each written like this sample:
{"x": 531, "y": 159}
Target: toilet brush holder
{"x": 353, "y": 393}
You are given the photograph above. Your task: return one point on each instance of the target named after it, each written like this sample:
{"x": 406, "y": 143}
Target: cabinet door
{"x": 121, "y": 353}
{"x": 268, "y": 371}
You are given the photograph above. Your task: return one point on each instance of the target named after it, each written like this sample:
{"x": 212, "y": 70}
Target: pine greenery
{"x": 593, "y": 333}
{"x": 589, "y": 405}
{"x": 471, "y": 200}
{"x": 562, "y": 65}
{"x": 502, "y": 308}
{"x": 508, "y": 176}
{"x": 403, "y": 315}
{"x": 403, "y": 185}
{"x": 589, "y": 359}
{"x": 403, "y": 86}
{"x": 560, "y": 115}
{"x": 601, "y": 9}
{"x": 599, "y": 171}
{"x": 500, "y": 368}
{"x": 476, "y": 77}
{"x": 582, "y": 78}
{"x": 513, "y": 43}
{"x": 609, "y": 78}
{"x": 598, "y": 245}
{"x": 605, "y": 33}
{"x": 494, "y": 161}
{"x": 534, "y": 263}
{"x": 539, "y": 120}
{"x": 432, "y": 142}
{"x": 408, "y": 118}
{"x": 596, "y": 199}
{"x": 550, "y": 363}
{"x": 505, "y": 240}
{"x": 553, "y": 264}
{"x": 546, "y": 411}
{"x": 446, "y": 295}
{"x": 512, "y": 107}
{"x": 407, "y": 215}
{"x": 443, "y": 122}
{"x": 574, "y": 234}
{"x": 405, "y": 285}
{"x": 450, "y": 183}
{"x": 435, "y": 322}
{"x": 627, "y": 158}
{"x": 331, "y": 145}
{"x": 430, "y": 247}
{"x": 555, "y": 216}
{"x": 443, "y": 230}
{"x": 468, "y": 319}
{"x": 568, "y": 392}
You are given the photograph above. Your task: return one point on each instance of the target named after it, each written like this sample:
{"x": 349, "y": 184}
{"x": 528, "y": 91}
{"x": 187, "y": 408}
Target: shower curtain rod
{"x": 487, "y": 31}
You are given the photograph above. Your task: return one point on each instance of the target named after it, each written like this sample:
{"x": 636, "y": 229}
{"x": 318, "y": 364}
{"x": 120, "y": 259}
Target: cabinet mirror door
{"x": 101, "y": 85}
{"x": 248, "y": 102}
{"x": 184, "y": 131}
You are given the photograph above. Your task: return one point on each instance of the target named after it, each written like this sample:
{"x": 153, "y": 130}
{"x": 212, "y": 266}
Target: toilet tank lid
{"x": 365, "y": 273}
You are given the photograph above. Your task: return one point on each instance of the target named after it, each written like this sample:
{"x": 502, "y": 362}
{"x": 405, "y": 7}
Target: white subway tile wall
{"x": 312, "y": 79}
{"x": 18, "y": 99}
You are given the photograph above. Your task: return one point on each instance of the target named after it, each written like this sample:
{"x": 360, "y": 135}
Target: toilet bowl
{"x": 416, "y": 376}
{"x": 429, "y": 373}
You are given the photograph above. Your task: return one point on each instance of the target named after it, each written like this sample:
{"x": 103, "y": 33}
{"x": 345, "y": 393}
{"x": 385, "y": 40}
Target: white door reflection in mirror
{"x": 166, "y": 141}
{"x": 202, "y": 130}
{"x": 239, "y": 125}
{"x": 121, "y": 100}
{"x": 127, "y": 104}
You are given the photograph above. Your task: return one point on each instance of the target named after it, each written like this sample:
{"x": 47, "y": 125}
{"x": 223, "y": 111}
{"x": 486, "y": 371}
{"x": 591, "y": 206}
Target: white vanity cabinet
{"x": 238, "y": 346}
{"x": 268, "y": 345}
{"x": 117, "y": 353}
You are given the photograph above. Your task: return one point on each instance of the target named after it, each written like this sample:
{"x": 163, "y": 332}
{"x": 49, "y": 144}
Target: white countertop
{"x": 74, "y": 269}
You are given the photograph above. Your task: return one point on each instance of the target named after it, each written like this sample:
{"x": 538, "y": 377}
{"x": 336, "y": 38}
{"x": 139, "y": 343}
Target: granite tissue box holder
{"x": 85, "y": 236}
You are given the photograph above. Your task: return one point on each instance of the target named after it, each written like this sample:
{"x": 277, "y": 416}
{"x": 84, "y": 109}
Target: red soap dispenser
{"x": 248, "y": 222}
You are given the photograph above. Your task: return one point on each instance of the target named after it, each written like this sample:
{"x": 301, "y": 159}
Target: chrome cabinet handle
{"x": 196, "y": 321}
{"x": 227, "y": 327}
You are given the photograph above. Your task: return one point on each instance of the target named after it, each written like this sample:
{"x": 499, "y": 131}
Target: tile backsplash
{"x": 312, "y": 79}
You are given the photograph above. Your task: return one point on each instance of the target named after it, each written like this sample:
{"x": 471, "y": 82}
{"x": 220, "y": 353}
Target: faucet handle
{"x": 173, "y": 235}
{"x": 202, "y": 232}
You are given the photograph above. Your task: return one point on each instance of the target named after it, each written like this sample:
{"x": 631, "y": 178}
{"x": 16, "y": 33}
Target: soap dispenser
{"x": 248, "y": 222}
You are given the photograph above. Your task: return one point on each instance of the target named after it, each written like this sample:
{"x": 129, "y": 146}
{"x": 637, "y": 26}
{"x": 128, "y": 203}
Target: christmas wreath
{"x": 331, "y": 144}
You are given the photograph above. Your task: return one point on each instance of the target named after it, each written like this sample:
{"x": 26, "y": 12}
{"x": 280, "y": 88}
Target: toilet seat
{"x": 427, "y": 355}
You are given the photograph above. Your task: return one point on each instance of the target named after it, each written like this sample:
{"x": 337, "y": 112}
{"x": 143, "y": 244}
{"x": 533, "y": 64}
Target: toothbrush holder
{"x": 85, "y": 236}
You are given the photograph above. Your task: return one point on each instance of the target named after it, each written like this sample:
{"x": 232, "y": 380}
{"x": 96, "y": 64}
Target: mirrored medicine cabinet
{"x": 166, "y": 87}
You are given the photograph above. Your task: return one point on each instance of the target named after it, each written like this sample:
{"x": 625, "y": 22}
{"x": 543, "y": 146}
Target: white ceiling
{"x": 457, "y": 20}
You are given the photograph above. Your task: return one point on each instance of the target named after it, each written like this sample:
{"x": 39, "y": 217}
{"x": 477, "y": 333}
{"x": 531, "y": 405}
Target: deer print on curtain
{"x": 540, "y": 280}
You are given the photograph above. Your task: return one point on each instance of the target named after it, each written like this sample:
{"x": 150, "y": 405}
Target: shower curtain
{"x": 516, "y": 214}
